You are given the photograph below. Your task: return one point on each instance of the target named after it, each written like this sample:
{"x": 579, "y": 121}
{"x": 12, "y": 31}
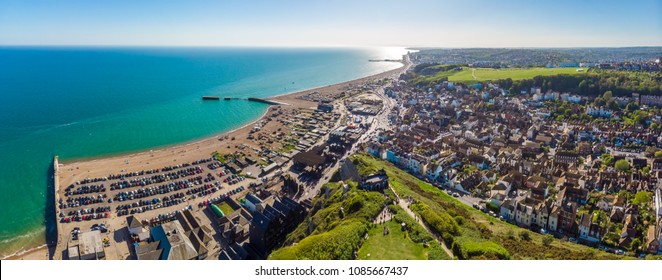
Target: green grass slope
{"x": 339, "y": 222}
{"x": 470, "y": 233}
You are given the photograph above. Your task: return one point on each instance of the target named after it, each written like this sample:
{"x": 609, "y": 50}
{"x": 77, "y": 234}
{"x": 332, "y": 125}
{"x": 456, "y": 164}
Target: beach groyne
{"x": 265, "y": 101}
{"x": 255, "y": 99}
{"x": 52, "y": 226}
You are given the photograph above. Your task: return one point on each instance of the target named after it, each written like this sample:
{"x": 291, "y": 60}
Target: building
{"x": 567, "y": 216}
{"x": 652, "y": 242}
{"x": 650, "y": 100}
{"x": 566, "y": 157}
{"x": 588, "y": 230}
{"x": 308, "y": 160}
{"x": 252, "y": 202}
{"x": 134, "y": 226}
{"x": 374, "y": 182}
{"x": 89, "y": 247}
{"x": 148, "y": 251}
{"x": 174, "y": 243}
{"x": 271, "y": 167}
{"x": 272, "y": 222}
{"x": 657, "y": 165}
{"x": 325, "y": 107}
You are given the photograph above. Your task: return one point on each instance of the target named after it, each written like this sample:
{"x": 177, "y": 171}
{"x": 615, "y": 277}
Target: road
{"x": 379, "y": 121}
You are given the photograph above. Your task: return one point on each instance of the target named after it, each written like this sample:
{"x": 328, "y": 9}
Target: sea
{"x": 85, "y": 102}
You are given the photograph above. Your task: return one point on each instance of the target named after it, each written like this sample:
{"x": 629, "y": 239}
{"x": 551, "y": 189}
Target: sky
{"x": 411, "y": 23}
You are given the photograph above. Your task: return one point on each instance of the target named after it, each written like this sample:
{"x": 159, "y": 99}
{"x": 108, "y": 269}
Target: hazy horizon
{"x": 414, "y": 24}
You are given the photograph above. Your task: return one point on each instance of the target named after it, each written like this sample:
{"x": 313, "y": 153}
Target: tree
{"x": 642, "y": 198}
{"x": 658, "y": 154}
{"x": 599, "y": 101}
{"x": 622, "y": 165}
{"x": 607, "y": 160}
{"x": 635, "y": 244}
{"x": 583, "y": 87}
{"x": 646, "y": 170}
{"x": 547, "y": 240}
{"x": 607, "y": 95}
{"x": 524, "y": 235}
{"x": 614, "y": 106}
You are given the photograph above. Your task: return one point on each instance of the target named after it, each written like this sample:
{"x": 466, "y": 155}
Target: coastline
{"x": 289, "y": 96}
{"x": 180, "y": 152}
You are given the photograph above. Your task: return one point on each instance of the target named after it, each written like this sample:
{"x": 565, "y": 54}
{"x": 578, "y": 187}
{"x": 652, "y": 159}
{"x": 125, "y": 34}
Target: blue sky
{"x": 416, "y": 23}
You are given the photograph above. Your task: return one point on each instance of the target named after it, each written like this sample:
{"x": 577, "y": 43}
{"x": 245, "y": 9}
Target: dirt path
{"x": 404, "y": 205}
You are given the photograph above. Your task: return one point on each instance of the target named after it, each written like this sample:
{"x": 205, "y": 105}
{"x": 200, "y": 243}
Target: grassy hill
{"x": 470, "y": 233}
{"x": 466, "y": 74}
{"x": 339, "y": 222}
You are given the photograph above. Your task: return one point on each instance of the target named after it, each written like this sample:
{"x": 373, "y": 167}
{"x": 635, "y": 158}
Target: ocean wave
{"x": 22, "y": 236}
{"x": 23, "y": 251}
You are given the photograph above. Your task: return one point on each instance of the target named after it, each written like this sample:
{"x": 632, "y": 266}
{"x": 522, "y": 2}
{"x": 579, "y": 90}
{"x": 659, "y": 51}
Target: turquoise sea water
{"x": 89, "y": 102}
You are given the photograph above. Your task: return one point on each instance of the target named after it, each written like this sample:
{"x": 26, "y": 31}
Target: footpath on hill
{"x": 405, "y": 206}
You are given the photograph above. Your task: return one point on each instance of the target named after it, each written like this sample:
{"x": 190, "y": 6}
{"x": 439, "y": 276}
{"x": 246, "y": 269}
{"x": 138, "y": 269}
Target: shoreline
{"x": 279, "y": 97}
{"x": 169, "y": 151}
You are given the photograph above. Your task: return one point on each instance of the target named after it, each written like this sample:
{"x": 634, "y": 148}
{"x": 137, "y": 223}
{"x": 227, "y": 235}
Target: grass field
{"x": 226, "y": 208}
{"x": 339, "y": 223}
{"x": 466, "y": 75}
{"x": 480, "y": 236}
{"x": 394, "y": 246}
{"x": 399, "y": 244}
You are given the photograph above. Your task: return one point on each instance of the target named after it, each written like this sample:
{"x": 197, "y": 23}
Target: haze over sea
{"x": 82, "y": 102}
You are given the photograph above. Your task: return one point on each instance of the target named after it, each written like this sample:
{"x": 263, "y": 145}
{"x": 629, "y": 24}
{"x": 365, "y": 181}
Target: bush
{"x": 448, "y": 239}
{"x": 480, "y": 250}
{"x": 337, "y": 244}
{"x": 441, "y": 222}
{"x": 525, "y": 235}
{"x": 493, "y": 207}
{"x": 511, "y": 234}
{"x": 547, "y": 240}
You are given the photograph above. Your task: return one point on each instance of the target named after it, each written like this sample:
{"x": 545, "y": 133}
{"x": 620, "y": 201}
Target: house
{"x": 566, "y": 157}
{"x": 652, "y": 242}
{"x": 376, "y": 150}
{"x": 566, "y": 216}
{"x": 433, "y": 172}
{"x": 507, "y": 209}
{"x": 657, "y": 165}
{"x": 541, "y": 212}
{"x": 524, "y": 214}
{"x": 588, "y": 230}
{"x": 629, "y": 231}
{"x": 553, "y": 221}
{"x": 375, "y": 182}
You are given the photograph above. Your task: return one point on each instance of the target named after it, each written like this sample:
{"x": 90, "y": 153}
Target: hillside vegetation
{"x": 470, "y": 233}
{"x": 339, "y": 223}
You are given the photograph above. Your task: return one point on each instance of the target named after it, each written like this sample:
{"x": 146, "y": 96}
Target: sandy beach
{"x": 224, "y": 143}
